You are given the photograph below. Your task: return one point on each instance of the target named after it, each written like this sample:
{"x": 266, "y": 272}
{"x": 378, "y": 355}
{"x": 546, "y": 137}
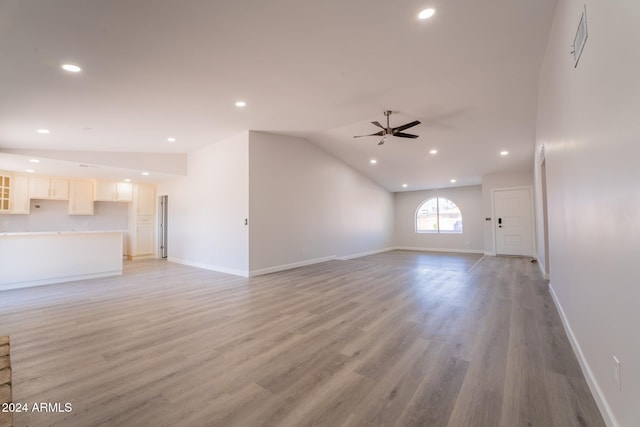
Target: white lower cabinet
{"x": 144, "y": 239}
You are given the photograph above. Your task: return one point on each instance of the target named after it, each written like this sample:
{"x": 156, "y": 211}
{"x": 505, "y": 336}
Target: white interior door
{"x": 513, "y": 222}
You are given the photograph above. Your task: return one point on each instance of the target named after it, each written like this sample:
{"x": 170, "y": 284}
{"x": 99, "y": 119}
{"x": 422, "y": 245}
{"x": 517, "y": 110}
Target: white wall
{"x": 468, "y": 199}
{"x": 207, "y": 208}
{"x": 588, "y": 121}
{"x": 305, "y": 205}
{"x": 494, "y": 181}
{"x": 53, "y": 215}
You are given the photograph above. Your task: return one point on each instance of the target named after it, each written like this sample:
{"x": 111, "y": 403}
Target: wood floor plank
{"x": 393, "y": 339}
{"x": 433, "y": 402}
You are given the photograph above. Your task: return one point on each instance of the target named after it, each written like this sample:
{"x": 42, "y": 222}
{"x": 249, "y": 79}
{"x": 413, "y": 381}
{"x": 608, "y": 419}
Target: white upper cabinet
{"x": 145, "y": 202}
{"x": 20, "y": 195}
{"x": 14, "y": 193}
{"x": 42, "y": 187}
{"x": 5, "y": 192}
{"x": 108, "y": 191}
{"x": 124, "y": 192}
{"x": 80, "y": 197}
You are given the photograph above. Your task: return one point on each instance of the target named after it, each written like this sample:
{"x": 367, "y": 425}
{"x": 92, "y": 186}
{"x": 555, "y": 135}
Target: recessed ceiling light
{"x": 43, "y": 131}
{"x": 241, "y": 104}
{"x": 34, "y": 160}
{"x": 427, "y": 13}
{"x": 71, "y": 68}
{"x": 504, "y": 153}
{"x": 171, "y": 139}
{"x": 453, "y": 181}
{"x": 127, "y": 180}
{"x": 145, "y": 173}
{"x": 404, "y": 185}
{"x": 29, "y": 170}
{"x": 373, "y": 161}
{"x": 434, "y": 151}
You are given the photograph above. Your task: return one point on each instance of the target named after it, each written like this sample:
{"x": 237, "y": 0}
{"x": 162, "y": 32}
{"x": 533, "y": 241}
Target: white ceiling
{"x": 322, "y": 70}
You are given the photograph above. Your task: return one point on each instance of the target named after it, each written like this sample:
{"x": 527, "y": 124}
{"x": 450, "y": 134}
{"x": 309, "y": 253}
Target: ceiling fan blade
{"x": 378, "y": 124}
{"x": 404, "y": 135}
{"x": 407, "y": 126}
{"x": 373, "y": 134}
{"x": 382, "y": 140}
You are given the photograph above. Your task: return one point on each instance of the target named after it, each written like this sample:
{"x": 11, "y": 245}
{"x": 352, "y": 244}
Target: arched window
{"x": 438, "y": 215}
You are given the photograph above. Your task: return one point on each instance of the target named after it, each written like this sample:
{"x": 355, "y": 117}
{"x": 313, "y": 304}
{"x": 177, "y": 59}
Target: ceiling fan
{"x": 389, "y": 131}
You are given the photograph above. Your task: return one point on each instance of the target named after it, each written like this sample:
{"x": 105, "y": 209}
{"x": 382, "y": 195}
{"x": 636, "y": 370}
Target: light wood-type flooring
{"x": 395, "y": 339}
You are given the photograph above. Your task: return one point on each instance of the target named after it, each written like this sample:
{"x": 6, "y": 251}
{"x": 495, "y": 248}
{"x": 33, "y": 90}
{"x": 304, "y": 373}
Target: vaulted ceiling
{"x": 152, "y": 70}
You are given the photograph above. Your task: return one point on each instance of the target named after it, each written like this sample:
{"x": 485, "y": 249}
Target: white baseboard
{"x": 459, "y": 251}
{"x": 601, "y": 401}
{"x": 490, "y": 254}
{"x": 544, "y": 273}
{"x": 51, "y": 281}
{"x": 377, "y": 251}
{"x": 225, "y": 270}
{"x": 138, "y": 257}
{"x": 304, "y": 263}
{"x": 283, "y": 267}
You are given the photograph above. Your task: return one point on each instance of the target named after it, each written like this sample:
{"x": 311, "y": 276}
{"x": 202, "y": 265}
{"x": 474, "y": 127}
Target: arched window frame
{"x": 457, "y": 225}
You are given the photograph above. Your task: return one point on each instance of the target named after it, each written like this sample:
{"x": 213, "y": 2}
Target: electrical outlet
{"x": 616, "y": 372}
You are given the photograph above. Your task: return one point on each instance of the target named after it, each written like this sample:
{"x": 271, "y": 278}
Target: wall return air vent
{"x": 580, "y": 39}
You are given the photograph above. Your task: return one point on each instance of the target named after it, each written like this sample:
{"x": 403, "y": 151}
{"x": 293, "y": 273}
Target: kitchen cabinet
{"x": 109, "y": 191}
{"x": 20, "y": 194}
{"x": 14, "y": 193}
{"x": 145, "y": 200}
{"x": 144, "y": 236}
{"x": 5, "y": 192}
{"x": 142, "y": 229}
{"x": 40, "y": 258}
{"x": 80, "y": 197}
{"x": 42, "y": 187}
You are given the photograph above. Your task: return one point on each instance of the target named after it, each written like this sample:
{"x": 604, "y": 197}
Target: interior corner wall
{"x": 207, "y": 209}
{"x": 469, "y": 201}
{"x": 306, "y": 206}
{"x": 494, "y": 181}
{"x": 588, "y": 124}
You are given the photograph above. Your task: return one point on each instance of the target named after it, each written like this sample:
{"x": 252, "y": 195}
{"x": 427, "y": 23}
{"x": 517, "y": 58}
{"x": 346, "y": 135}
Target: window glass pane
{"x": 427, "y": 218}
{"x": 439, "y": 215}
{"x": 450, "y": 216}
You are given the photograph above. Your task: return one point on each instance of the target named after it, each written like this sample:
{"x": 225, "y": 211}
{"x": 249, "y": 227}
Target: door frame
{"x": 163, "y": 212}
{"x": 545, "y": 213}
{"x": 532, "y": 213}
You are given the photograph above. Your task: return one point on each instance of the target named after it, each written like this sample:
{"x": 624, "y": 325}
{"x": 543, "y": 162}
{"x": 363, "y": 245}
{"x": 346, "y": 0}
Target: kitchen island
{"x": 40, "y": 258}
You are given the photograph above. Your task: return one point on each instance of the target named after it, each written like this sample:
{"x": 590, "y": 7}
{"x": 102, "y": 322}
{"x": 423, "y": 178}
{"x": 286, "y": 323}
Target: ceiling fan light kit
{"x": 389, "y": 131}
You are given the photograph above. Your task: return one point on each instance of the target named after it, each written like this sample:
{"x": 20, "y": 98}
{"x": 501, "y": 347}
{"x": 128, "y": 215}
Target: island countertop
{"x": 44, "y": 257}
{"x": 44, "y": 233}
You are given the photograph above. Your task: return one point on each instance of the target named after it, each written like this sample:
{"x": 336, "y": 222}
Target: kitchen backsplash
{"x": 52, "y": 215}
